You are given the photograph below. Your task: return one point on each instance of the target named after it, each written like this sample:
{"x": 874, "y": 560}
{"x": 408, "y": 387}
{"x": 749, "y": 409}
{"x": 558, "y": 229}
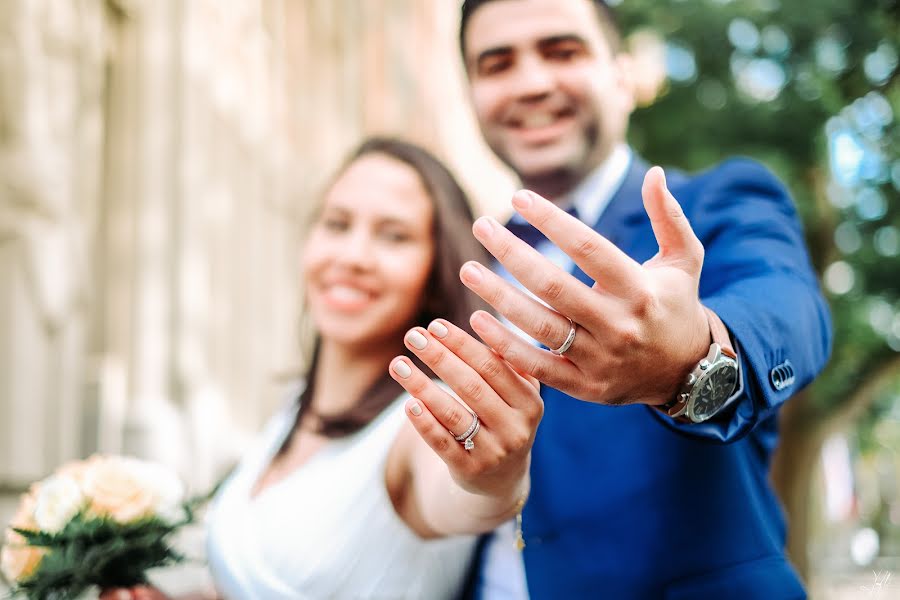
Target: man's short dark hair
{"x": 608, "y": 24}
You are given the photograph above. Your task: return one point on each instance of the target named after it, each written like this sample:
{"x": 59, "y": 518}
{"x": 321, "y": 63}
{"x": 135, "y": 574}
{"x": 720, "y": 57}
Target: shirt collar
{"x": 594, "y": 193}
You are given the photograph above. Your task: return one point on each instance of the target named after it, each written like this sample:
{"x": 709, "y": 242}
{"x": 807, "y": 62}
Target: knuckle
{"x": 537, "y": 370}
{"x": 586, "y": 247}
{"x": 517, "y": 441}
{"x": 504, "y": 249}
{"x": 441, "y": 443}
{"x": 494, "y": 461}
{"x": 417, "y": 386}
{"x": 698, "y": 254}
{"x": 645, "y": 303}
{"x": 496, "y": 297}
{"x": 472, "y": 389}
{"x": 504, "y": 347}
{"x": 453, "y": 419}
{"x": 674, "y": 211}
{"x": 534, "y": 412}
{"x": 630, "y": 337}
{"x": 436, "y": 359}
{"x": 546, "y": 330}
{"x": 490, "y": 368}
{"x": 551, "y": 290}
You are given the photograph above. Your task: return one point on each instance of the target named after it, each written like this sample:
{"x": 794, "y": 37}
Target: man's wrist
{"x": 680, "y": 405}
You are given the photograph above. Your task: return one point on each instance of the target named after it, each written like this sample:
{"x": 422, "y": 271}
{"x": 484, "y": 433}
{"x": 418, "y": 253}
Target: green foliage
{"x": 100, "y": 552}
{"x": 777, "y": 80}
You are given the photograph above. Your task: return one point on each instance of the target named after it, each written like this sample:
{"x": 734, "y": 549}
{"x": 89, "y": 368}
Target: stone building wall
{"x": 158, "y": 160}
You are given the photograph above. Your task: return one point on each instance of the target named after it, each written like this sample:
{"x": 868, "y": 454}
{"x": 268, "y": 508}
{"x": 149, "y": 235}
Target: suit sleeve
{"x": 758, "y": 278}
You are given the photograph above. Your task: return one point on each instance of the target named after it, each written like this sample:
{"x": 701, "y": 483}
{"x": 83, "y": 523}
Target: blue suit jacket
{"x": 625, "y": 503}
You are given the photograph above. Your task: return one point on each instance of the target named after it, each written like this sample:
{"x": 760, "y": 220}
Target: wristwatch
{"x": 710, "y": 383}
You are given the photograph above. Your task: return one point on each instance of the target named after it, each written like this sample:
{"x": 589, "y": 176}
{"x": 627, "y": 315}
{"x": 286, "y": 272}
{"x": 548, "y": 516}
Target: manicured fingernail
{"x": 484, "y": 227}
{"x": 471, "y": 274}
{"x": 522, "y": 200}
{"x": 416, "y": 339}
{"x": 415, "y": 409}
{"x": 402, "y": 369}
{"x": 438, "y": 329}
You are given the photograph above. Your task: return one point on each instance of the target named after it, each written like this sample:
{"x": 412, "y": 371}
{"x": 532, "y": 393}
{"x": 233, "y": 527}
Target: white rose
{"x": 167, "y": 489}
{"x": 58, "y": 500}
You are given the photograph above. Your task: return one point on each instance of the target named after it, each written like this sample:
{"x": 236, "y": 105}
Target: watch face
{"x": 712, "y": 391}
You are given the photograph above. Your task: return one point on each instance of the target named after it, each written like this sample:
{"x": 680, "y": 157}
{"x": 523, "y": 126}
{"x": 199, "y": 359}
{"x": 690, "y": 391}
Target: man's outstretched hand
{"x": 639, "y": 330}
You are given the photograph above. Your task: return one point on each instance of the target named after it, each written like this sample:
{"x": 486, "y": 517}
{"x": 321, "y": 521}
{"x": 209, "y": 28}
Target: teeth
{"x": 347, "y": 294}
{"x": 541, "y": 120}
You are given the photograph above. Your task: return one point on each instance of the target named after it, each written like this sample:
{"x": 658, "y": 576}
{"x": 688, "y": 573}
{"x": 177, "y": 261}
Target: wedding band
{"x": 465, "y": 438}
{"x": 569, "y": 340}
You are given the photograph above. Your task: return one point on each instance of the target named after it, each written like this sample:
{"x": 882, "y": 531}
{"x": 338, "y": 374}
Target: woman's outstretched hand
{"x": 508, "y": 406}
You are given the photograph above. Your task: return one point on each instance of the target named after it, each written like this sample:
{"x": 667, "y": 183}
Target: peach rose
{"x": 19, "y": 561}
{"x": 78, "y": 469}
{"x": 115, "y": 488}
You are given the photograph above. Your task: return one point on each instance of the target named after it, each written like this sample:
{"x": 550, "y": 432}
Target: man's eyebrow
{"x": 561, "y": 38}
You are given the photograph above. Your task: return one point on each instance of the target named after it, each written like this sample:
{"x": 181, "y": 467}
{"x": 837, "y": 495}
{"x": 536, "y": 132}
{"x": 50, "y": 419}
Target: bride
{"x": 352, "y": 490}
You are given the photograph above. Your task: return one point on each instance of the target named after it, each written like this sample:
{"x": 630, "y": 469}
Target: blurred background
{"x": 159, "y": 158}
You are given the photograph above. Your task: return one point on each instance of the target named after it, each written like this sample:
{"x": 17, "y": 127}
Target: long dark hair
{"x": 444, "y": 295}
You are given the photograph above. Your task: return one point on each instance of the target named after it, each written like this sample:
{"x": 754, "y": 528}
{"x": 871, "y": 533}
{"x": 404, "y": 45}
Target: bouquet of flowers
{"x": 101, "y": 522}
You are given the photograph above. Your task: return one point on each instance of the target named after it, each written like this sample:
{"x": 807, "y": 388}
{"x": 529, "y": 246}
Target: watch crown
{"x": 704, "y": 364}
{"x": 684, "y": 397}
{"x": 691, "y": 379}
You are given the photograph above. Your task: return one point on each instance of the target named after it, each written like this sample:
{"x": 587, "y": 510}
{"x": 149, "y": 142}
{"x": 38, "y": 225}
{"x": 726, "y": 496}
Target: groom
{"x": 681, "y": 311}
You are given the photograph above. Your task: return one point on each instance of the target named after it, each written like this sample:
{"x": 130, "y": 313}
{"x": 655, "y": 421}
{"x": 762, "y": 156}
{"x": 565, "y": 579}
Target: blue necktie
{"x": 528, "y": 233}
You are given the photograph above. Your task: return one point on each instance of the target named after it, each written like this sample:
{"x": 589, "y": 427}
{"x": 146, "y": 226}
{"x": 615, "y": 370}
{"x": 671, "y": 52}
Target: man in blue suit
{"x": 674, "y": 317}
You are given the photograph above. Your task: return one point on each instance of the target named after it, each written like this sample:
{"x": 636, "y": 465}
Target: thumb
{"x": 673, "y": 233}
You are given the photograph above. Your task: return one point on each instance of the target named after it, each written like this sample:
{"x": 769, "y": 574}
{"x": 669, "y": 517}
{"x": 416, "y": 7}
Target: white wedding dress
{"x": 329, "y": 529}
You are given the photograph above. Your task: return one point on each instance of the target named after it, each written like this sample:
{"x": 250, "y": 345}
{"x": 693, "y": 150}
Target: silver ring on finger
{"x": 570, "y": 339}
{"x": 466, "y": 438}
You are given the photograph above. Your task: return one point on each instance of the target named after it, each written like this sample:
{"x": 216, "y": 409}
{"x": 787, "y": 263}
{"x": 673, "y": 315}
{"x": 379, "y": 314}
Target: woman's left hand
{"x": 508, "y": 406}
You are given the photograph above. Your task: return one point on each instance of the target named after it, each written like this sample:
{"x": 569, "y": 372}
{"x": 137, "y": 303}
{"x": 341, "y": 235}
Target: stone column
{"x": 51, "y": 69}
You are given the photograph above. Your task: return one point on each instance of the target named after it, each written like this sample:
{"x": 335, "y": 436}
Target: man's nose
{"x": 533, "y": 80}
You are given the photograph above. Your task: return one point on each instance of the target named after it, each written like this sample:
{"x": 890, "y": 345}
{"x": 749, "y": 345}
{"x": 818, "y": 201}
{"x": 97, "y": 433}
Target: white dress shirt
{"x": 502, "y": 575}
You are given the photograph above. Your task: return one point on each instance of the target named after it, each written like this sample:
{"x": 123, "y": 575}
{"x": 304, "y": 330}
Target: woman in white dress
{"x": 354, "y": 490}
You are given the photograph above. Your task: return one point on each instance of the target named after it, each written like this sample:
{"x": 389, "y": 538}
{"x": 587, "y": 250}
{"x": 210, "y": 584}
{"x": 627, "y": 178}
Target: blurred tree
{"x": 811, "y": 88}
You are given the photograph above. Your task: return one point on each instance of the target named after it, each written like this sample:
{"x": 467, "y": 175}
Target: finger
{"x": 514, "y": 389}
{"x": 673, "y": 232}
{"x": 450, "y": 412}
{"x": 434, "y": 433}
{"x": 465, "y": 382}
{"x": 537, "y": 320}
{"x": 548, "y": 368}
{"x": 545, "y": 280}
{"x": 611, "y": 268}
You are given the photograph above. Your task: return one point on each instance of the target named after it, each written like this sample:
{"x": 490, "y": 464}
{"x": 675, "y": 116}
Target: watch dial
{"x": 713, "y": 391}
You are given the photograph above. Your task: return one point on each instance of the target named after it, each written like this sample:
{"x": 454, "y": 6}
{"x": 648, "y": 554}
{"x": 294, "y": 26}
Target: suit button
{"x": 782, "y": 375}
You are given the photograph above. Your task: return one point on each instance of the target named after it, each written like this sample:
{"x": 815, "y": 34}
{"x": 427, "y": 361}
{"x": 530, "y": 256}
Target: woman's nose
{"x": 356, "y": 249}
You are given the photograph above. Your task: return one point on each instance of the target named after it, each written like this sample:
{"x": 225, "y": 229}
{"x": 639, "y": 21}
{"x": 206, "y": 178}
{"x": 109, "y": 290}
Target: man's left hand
{"x": 638, "y": 331}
